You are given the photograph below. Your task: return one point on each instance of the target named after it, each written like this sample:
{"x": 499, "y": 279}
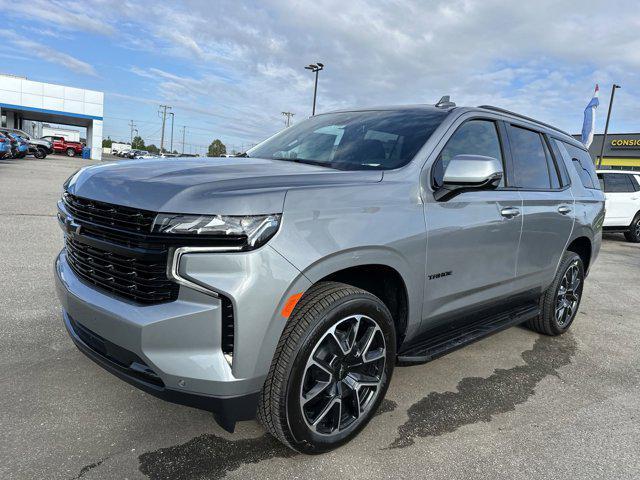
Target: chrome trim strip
{"x": 174, "y": 264}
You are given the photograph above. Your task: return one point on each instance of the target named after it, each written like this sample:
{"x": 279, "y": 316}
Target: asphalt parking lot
{"x": 516, "y": 405}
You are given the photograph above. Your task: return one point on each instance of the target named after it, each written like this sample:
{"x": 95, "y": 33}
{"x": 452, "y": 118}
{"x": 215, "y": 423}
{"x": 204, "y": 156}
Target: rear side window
{"x": 617, "y": 183}
{"x": 581, "y": 161}
{"x": 530, "y": 166}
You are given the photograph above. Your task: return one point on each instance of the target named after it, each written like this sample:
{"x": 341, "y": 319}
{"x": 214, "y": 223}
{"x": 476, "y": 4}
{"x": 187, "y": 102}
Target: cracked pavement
{"x": 515, "y": 405}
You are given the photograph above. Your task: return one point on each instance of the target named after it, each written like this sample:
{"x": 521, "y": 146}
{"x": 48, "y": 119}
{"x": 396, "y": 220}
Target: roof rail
{"x": 524, "y": 117}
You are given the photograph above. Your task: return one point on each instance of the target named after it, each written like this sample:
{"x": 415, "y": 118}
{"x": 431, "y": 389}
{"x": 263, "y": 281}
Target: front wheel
{"x": 71, "y": 152}
{"x": 633, "y": 235}
{"x": 331, "y": 369}
{"x": 559, "y": 303}
{"x": 40, "y": 153}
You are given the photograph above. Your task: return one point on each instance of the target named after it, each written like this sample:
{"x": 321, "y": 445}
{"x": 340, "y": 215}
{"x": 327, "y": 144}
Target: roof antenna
{"x": 445, "y": 102}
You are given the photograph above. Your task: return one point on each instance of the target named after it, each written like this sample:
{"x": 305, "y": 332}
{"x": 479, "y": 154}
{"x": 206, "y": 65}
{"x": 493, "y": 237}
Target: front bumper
{"x": 180, "y": 341}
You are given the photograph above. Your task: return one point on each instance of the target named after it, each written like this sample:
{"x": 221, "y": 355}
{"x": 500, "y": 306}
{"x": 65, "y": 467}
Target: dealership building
{"x": 621, "y": 151}
{"x": 24, "y": 102}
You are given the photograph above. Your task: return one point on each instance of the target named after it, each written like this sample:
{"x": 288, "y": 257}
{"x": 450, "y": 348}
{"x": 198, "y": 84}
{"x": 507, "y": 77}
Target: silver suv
{"x": 287, "y": 283}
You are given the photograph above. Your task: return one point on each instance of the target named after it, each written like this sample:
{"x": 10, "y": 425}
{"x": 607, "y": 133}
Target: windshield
{"x": 376, "y": 140}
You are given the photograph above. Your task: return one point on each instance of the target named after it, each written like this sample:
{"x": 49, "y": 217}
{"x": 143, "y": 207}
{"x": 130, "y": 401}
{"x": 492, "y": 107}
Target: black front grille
{"x": 142, "y": 279}
{"x": 109, "y": 215}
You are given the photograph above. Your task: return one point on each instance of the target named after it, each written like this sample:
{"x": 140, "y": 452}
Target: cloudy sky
{"x": 229, "y": 68}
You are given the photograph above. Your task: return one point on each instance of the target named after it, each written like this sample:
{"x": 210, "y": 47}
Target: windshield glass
{"x": 374, "y": 140}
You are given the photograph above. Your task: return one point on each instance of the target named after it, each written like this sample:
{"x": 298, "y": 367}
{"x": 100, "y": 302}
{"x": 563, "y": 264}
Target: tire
{"x": 40, "y": 153}
{"x": 308, "y": 350}
{"x": 555, "y": 320}
{"x": 71, "y": 152}
{"x": 633, "y": 235}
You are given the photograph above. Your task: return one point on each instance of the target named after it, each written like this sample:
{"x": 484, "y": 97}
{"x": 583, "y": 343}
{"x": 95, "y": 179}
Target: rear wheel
{"x": 331, "y": 369}
{"x": 633, "y": 234}
{"x": 559, "y": 303}
{"x": 71, "y": 152}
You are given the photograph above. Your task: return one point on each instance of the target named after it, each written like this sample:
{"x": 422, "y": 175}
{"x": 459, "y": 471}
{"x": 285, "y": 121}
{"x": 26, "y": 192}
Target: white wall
{"x": 47, "y": 96}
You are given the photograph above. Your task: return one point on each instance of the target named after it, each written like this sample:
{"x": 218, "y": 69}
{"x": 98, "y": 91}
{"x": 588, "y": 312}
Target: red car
{"x": 60, "y": 145}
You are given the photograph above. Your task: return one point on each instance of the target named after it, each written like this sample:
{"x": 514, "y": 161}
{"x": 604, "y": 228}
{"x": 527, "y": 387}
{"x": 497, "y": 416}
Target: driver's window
{"x": 475, "y": 137}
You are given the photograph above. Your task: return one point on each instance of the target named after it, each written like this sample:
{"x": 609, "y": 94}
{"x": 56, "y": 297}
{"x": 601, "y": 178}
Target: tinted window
{"x": 582, "y": 163}
{"x": 617, "y": 182}
{"x": 530, "y": 168}
{"x": 475, "y": 137}
{"x": 375, "y": 140}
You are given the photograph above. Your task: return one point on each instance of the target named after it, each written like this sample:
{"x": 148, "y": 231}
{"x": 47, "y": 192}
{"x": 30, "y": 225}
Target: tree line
{"x": 216, "y": 148}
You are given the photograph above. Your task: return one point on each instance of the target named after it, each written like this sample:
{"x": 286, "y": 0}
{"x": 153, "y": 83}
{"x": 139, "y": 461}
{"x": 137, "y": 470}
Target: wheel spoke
{"x": 325, "y": 411}
{"x": 314, "y": 391}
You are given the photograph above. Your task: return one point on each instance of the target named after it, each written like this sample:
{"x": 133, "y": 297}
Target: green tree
{"x": 216, "y": 149}
{"x": 152, "y": 149}
{"x": 137, "y": 143}
{"x": 107, "y": 142}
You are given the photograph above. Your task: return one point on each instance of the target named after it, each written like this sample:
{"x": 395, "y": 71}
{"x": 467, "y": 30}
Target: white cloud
{"x": 244, "y": 61}
{"x": 44, "y": 52}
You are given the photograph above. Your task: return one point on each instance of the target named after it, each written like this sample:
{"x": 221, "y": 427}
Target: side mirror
{"x": 469, "y": 172}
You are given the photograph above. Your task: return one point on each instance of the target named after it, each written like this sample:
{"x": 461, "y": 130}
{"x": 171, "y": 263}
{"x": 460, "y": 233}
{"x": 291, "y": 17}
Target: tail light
{"x": 2, "y": 140}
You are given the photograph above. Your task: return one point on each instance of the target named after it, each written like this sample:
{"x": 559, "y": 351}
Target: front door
{"x": 472, "y": 238}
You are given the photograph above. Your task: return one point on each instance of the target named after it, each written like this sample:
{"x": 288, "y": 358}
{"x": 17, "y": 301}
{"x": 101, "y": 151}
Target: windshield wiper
{"x": 307, "y": 162}
{"x": 244, "y": 155}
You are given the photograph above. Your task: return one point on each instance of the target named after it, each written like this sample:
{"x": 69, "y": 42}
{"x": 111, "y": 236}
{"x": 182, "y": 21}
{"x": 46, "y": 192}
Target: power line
{"x": 164, "y": 120}
{"x": 287, "y": 122}
{"x": 133, "y": 128}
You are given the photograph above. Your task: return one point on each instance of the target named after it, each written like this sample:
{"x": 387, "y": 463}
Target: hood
{"x": 225, "y": 186}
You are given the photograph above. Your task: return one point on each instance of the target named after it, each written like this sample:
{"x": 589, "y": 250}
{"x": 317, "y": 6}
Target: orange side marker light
{"x": 291, "y": 304}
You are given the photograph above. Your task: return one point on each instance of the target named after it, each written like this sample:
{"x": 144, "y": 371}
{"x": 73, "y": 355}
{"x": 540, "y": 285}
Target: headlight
{"x": 256, "y": 228}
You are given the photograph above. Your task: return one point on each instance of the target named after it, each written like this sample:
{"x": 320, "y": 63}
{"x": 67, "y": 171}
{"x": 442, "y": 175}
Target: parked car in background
{"x": 38, "y": 147}
{"x": 61, "y": 145}
{"x": 5, "y": 145}
{"x": 290, "y": 284}
{"x": 622, "y": 190}
{"x": 21, "y": 145}
{"x": 139, "y": 154}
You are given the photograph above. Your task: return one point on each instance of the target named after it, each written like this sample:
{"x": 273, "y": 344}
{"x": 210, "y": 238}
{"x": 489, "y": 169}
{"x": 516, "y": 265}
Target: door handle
{"x": 563, "y": 209}
{"x": 509, "y": 212}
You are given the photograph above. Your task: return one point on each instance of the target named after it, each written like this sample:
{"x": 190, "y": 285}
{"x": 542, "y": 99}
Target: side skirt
{"x": 441, "y": 343}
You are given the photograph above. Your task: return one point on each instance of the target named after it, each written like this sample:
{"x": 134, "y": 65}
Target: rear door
{"x": 548, "y": 206}
{"x": 472, "y": 238}
{"x": 622, "y": 199}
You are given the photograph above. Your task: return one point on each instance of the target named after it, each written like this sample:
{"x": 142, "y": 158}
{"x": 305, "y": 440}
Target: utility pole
{"x": 163, "y": 111}
{"x": 287, "y": 122}
{"x": 184, "y": 128}
{"x": 172, "y": 116}
{"x": 133, "y": 127}
{"x": 315, "y": 67}
{"x": 606, "y": 125}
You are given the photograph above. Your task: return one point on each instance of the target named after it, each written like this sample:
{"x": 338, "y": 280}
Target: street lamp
{"x": 606, "y": 125}
{"x": 315, "y": 67}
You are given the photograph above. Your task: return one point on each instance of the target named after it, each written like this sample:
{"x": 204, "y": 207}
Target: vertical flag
{"x": 589, "y": 123}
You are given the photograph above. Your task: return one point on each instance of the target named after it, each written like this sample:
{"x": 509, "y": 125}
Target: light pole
{"x": 163, "y": 111}
{"x": 315, "y": 67}
{"x": 171, "y": 147}
{"x": 606, "y": 125}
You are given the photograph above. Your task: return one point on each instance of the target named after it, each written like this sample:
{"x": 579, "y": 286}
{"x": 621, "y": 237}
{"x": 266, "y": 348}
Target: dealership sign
{"x": 620, "y": 143}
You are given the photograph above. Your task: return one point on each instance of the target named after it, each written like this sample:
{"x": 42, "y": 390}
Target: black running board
{"x": 442, "y": 343}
